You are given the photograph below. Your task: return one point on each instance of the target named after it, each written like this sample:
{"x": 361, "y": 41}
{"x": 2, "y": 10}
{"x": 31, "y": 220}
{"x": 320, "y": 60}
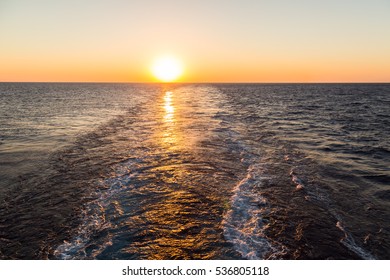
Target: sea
{"x": 194, "y": 171}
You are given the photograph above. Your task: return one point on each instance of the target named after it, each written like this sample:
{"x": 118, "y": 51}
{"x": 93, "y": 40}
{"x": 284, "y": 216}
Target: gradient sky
{"x": 216, "y": 40}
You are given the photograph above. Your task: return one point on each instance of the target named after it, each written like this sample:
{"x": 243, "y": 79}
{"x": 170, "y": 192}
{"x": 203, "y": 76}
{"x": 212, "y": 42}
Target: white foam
{"x": 297, "y": 181}
{"x": 350, "y": 243}
{"x": 321, "y": 196}
{"x": 243, "y": 223}
{"x": 93, "y": 217}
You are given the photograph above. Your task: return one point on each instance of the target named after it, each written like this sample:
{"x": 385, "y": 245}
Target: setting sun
{"x": 167, "y": 69}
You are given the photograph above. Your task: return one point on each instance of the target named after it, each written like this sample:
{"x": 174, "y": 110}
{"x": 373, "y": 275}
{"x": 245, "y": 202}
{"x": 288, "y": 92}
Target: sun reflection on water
{"x": 169, "y": 131}
{"x": 169, "y": 109}
{"x": 175, "y": 178}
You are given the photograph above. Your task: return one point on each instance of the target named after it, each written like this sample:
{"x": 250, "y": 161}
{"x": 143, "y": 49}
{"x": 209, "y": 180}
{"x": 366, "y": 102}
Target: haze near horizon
{"x": 215, "y": 41}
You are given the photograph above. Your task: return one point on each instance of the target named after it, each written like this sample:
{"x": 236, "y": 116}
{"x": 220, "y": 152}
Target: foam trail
{"x": 243, "y": 222}
{"x": 350, "y": 243}
{"x": 93, "y": 217}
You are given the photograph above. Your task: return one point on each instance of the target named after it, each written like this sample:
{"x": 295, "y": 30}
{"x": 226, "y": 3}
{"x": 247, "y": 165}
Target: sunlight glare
{"x": 167, "y": 69}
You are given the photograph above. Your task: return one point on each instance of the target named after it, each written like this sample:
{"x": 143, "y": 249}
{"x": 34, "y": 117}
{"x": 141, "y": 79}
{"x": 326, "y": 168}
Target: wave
{"x": 245, "y": 222}
{"x": 94, "y": 219}
{"x": 349, "y": 242}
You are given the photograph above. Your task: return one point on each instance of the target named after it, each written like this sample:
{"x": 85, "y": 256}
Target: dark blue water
{"x": 194, "y": 171}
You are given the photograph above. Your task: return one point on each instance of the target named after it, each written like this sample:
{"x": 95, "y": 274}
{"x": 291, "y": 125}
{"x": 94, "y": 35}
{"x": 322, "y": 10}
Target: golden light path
{"x": 169, "y": 109}
{"x": 167, "y": 134}
{"x": 176, "y": 176}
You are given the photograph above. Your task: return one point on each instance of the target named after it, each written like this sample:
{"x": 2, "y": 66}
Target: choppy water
{"x": 194, "y": 171}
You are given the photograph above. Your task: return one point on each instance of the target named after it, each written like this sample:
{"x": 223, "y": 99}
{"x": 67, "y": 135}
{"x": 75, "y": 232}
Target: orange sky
{"x": 216, "y": 41}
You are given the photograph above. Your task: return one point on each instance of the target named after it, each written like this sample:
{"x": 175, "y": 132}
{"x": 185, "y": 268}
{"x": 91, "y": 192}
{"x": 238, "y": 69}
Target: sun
{"x": 167, "y": 69}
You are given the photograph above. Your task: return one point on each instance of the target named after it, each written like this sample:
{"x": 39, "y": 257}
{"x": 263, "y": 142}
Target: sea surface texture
{"x": 194, "y": 171}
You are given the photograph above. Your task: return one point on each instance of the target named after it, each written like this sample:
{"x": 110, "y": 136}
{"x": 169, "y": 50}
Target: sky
{"x": 215, "y": 40}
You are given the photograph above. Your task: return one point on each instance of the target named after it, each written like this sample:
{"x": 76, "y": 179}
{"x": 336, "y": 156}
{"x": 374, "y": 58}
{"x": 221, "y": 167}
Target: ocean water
{"x": 194, "y": 171}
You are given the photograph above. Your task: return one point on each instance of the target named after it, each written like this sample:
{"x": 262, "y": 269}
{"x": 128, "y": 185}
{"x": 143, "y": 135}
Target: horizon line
{"x": 162, "y": 83}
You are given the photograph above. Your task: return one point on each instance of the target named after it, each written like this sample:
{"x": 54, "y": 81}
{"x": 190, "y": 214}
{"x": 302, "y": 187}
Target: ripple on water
{"x": 244, "y": 222}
